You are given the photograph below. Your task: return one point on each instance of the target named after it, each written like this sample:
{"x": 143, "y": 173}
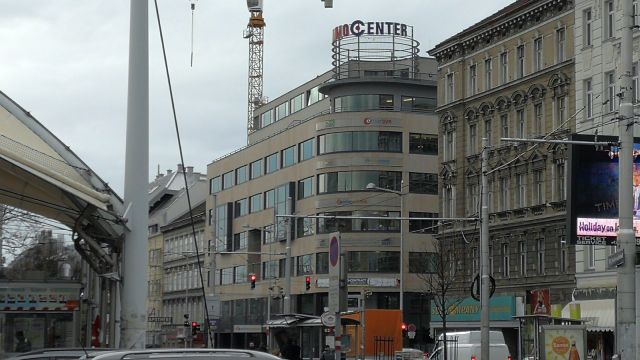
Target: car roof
{"x": 184, "y": 353}
{"x": 59, "y": 353}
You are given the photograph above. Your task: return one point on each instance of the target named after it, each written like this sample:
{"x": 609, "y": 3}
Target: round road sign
{"x": 328, "y": 319}
{"x": 411, "y": 328}
{"x": 334, "y": 251}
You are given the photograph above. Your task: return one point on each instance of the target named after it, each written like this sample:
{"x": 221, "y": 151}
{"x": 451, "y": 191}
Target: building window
{"x": 521, "y": 190}
{"x": 423, "y": 226}
{"x": 305, "y": 227}
{"x": 269, "y": 198}
{"x": 344, "y": 181}
{"x": 223, "y": 243}
{"x": 266, "y": 118}
{"x": 449, "y": 201}
{"x": 423, "y": 262}
{"x": 241, "y": 208}
{"x": 475, "y": 260}
{"x": 423, "y": 183}
{"x": 304, "y": 265}
{"x": 288, "y": 156}
{"x": 282, "y": 110}
{"x": 504, "y": 68}
{"x": 417, "y": 104}
{"x": 473, "y": 135}
{"x": 305, "y": 150}
{"x": 563, "y": 255}
{"x": 268, "y": 236}
{"x": 271, "y": 163}
{"x": 587, "y": 24}
{"x": 314, "y": 95}
{"x": 328, "y": 225}
{"x": 561, "y": 111}
{"x": 538, "y": 184}
{"x": 487, "y": 131}
{"x": 226, "y": 276}
{"x": 373, "y": 261}
{"x": 472, "y": 80}
{"x": 505, "y": 260}
{"x": 610, "y": 83}
{"x": 560, "y": 43}
{"x": 297, "y": 103}
{"x": 363, "y": 103}
{"x": 270, "y": 269}
{"x": 305, "y": 188}
{"x": 538, "y": 119}
{"x": 322, "y": 263}
{"x": 282, "y": 206}
{"x": 537, "y": 54}
{"x": 256, "y": 169}
{"x": 240, "y": 274}
{"x": 588, "y": 98}
{"x": 449, "y": 88}
{"x": 215, "y": 185}
{"x": 379, "y": 141}
{"x": 424, "y": 144}
{"x": 522, "y": 248}
{"x": 473, "y": 198}
{"x": 504, "y": 193}
{"x": 560, "y": 182}
{"x": 242, "y": 174}
{"x": 591, "y": 257}
{"x": 540, "y": 249}
{"x": 520, "y": 61}
{"x": 504, "y": 125}
{"x": 521, "y": 124}
{"x": 634, "y": 5}
{"x": 449, "y": 153}
{"x": 488, "y": 69}
{"x": 227, "y": 180}
{"x": 609, "y": 19}
{"x": 255, "y": 203}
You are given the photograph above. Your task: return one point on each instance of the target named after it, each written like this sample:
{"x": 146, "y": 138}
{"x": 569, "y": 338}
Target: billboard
{"x": 561, "y": 342}
{"x": 593, "y": 192}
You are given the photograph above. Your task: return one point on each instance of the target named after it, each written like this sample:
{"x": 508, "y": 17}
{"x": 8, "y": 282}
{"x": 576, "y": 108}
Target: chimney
{"x": 180, "y": 168}
{"x": 189, "y": 170}
{"x": 169, "y": 171}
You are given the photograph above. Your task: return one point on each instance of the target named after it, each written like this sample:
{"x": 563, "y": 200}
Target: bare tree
{"x": 441, "y": 282}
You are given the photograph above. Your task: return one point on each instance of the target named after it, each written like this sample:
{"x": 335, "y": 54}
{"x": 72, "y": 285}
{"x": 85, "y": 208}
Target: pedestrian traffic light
{"x": 195, "y": 328}
{"x": 186, "y": 320}
{"x": 252, "y": 278}
{"x": 307, "y": 283}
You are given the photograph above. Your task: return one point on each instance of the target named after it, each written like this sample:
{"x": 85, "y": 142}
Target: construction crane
{"x": 255, "y": 34}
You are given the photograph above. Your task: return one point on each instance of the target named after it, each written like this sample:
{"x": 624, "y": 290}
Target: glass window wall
{"x": 363, "y": 103}
{"x": 383, "y": 141}
{"x": 358, "y": 180}
{"x": 373, "y": 261}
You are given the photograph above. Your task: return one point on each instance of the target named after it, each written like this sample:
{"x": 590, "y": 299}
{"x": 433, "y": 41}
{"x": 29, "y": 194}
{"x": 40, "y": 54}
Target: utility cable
{"x": 184, "y": 174}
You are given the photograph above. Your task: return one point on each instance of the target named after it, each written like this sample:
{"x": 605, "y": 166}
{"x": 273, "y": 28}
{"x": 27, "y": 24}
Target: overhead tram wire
{"x": 184, "y": 175}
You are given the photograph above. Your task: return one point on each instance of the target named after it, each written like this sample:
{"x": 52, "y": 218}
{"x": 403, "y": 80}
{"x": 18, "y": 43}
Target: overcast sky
{"x": 65, "y": 61}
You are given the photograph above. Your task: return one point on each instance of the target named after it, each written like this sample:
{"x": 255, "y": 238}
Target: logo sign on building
{"x": 39, "y": 297}
{"x": 500, "y": 308}
{"x": 360, "y": 28}
{"x": 593, "y": 192}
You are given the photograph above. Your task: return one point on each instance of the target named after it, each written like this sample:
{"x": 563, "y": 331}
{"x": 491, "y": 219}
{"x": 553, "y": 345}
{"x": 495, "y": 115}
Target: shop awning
{"x": 598, "y": 315}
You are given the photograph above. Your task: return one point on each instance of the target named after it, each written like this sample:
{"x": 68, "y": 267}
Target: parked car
{"x": 187, "y": 354}
{"x": 60, "y": 353}
{"x": 465, "y": 345}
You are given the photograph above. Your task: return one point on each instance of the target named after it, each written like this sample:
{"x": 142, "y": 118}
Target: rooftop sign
{"x": 359, "y": 28}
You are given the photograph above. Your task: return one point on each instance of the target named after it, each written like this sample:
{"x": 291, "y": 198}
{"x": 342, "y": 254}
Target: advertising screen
{"x": 593, "y": 192}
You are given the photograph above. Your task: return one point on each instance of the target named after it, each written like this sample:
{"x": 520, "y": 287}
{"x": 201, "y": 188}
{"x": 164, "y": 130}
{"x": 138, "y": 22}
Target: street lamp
{"x": 372, "y": 186}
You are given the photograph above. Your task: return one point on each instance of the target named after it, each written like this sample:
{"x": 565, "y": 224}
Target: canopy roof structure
{"x": 40, "y": 174}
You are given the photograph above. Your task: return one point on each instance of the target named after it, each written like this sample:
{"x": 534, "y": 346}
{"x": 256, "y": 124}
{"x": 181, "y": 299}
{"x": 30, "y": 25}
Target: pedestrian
{"x": 327, "y": 354}
{"x": 23, "y": 344}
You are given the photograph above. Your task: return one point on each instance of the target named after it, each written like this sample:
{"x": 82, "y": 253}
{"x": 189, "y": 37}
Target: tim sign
{"x": 593, "y": 192}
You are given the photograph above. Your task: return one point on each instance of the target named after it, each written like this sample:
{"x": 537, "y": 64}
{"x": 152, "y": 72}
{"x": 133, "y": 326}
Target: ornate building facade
{"x": 510, "y": 76}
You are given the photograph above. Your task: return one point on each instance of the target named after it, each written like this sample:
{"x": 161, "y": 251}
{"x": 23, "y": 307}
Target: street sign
{"x": 159, "y": 319}
{"x": 213, "y": 305}
{"x": 411, "y": 328}
{"x": 213, "y": 324}
{"x": 328, "y": 319}
{"x": 411, "y": 334}
{"x": 616, "y": 259}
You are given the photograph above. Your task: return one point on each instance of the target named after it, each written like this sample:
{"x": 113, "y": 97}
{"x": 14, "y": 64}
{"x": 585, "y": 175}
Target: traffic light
{"x": 195, "y": 328}
{"x": 186, "y": 320}
{"x": 252, "y": 278}
{"x": 403, "y": 327}
{"x": 307, "y": 283}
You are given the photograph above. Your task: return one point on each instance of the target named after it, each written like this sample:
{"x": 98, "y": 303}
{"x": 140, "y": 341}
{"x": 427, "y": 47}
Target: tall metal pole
{"x": 401, "y": 248}
{"x": 287, "y": 270}
{"x": 484, "y": 256}
{"x": 136, "y": 175}
{"x": 626, "y": 292}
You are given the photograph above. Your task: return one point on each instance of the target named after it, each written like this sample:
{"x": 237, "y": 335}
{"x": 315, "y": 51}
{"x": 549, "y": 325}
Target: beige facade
{"x": 324, "y": 161}
{"x": 510, "y": 76}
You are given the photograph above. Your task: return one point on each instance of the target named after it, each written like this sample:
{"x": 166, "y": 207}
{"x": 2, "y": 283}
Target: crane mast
{"x": 255, "y": 34}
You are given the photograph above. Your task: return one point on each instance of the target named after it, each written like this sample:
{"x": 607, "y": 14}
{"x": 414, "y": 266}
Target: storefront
{"x": 42, "y": 314}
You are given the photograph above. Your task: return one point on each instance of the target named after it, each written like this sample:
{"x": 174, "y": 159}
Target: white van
{"x": 465, "y": 345}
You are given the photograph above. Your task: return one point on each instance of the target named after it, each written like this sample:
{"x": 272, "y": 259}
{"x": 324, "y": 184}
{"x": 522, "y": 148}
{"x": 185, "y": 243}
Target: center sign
{"x": 359, "y": 28}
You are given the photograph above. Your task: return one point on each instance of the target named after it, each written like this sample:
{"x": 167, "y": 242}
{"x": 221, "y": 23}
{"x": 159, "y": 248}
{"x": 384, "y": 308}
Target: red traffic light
{"x": 403, "y": 326}
{"x": 194, "y": 324}
{"x": 307, "y": 282}
{"x": 252, "y": 277}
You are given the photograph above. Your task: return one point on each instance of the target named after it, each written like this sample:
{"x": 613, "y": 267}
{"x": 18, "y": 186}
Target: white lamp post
{"x": 372, "y": 186}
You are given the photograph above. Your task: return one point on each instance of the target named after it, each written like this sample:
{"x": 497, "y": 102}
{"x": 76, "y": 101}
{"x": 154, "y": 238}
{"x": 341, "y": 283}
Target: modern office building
{"x": 313, "y": 151}
{"x": 510, "y": 76}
